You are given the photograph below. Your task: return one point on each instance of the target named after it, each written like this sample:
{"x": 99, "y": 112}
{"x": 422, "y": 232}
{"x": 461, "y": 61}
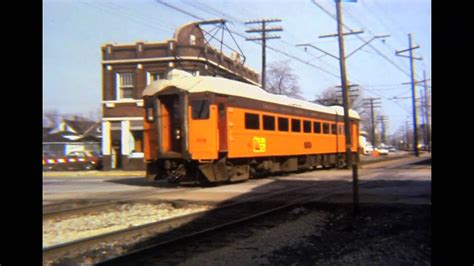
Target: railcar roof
{"x": 225, "y": 86}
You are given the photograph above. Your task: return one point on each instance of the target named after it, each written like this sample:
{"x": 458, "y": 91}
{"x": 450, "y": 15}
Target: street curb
{"x": 93, "y": 173}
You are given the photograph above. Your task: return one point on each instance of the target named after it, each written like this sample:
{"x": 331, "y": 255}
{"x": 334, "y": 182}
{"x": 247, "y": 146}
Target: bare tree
{"x": 281, "y": 80}
{"x": 53, "y": 117}
{"x": 329, "y": 97}
{"x": 95, "y": 114}
{"x": 333, "y": 96}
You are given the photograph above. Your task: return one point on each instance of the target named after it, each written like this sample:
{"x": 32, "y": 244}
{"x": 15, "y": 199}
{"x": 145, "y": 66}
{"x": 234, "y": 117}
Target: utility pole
{"x": 372, "y": 103}
{"x": 345, "y": 89}
{"x": 342, "y": 66}
{"x": 422, "y": 112}
{"x": 344, "y": 83}
{"x": 382, "y": 120}
{"x": 263, "y": 37}
{"x": 353, "y": 93}
{"x": 345, "y": 92}
{"x": 407, "y": 135}
{"x": 345, "y": 98}
{"x": 427, "y": 113}
{"x": 413, "y": 90}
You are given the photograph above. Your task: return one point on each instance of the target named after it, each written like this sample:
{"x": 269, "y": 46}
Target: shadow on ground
{"x": 394, "y": 228}
{"x": 386, "y": 232}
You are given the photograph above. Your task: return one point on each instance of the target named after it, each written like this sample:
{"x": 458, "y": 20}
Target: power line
{"x": 306, "y": 62}
{"x": 239, "y": 21}
{"x": 133, "y": 19}
{"x": 371, "y": 46}
{"x": 153, "y": 19}
{"x": 263, "y": 30}
{"x": 210, "y": 10}
{"x": 244, "y": 37}
{"x": 413, "y": 89}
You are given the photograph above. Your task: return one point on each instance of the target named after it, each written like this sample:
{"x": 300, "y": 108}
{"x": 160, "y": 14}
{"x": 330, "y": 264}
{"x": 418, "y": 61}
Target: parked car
{"x": 392, "y": 149}
{"x": 77, "y": 160}
{"x": 382, "y": 150}
{"x": 368, "y": 149}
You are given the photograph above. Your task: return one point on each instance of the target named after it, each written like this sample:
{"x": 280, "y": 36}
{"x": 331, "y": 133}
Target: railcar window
{"x": 268, "y": 122}
{"x": 252, "y": 121}
{"x": 341, "y": 131}
{"x": 282, "y": 124}
{"x": 295, "y": 125}
{"x": 307, "y": 126}
{"x": 333, "y": 129}
{"x": 325, "y": 128}
{"x": 200, "y": 109}
{"x": 317, "y": 127}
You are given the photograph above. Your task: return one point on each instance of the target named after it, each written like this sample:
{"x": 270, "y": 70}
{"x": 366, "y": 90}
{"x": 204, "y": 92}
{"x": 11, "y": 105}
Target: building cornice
{"x": 171, "y": 58}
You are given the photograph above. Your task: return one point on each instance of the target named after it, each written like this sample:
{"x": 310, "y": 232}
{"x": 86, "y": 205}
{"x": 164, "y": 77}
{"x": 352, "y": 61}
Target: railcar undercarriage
{"x": 232, "y": 170}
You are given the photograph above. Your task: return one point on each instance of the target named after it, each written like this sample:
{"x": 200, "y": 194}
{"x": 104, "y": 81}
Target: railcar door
{"x": 171, "y": 119}
{"x": 222, "y": 122}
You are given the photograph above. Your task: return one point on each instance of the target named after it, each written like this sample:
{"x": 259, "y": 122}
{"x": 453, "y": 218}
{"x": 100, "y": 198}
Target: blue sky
{"x": 73, "y": 32}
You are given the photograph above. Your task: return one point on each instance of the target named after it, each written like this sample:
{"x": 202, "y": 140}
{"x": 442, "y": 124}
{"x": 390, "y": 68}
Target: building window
{"x": 192, "y": 39}
{"x": 317, "y": 127}
{"x": 325, "y": 128}
{"x": 125, "y": 86}
{"x": 137, "y": 141}
{"x": 200, "y": 109}
{"x": 333, "y": 129}
{"x": 306, "y": 126}
{"x": 154, "y": 76}
{"x": 268, "y": 122}
{"x": 295, "y": 125}
{"x": 282, "y": 124}
{"x": 252, "y": 121}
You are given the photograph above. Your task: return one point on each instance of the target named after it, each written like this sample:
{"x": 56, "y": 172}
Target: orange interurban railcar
{"x": 212, "y": 129}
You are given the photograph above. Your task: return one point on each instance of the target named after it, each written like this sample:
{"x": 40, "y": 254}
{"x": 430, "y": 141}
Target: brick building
{"x": 128, "y": 68}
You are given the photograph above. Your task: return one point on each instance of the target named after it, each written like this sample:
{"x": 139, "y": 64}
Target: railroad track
{"x": 384, "y": 159}
{"x": 141, "y": 256}
{"x": 190, "y": 225}
{"x": 76, "y": 207}
{"x": 164, "y": 233}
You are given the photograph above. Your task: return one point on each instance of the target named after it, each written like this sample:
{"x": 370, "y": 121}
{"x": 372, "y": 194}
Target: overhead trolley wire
{"x": 244, "y": 37}
{"x": 360, "y": 38}
{"x": 96, "y": 5}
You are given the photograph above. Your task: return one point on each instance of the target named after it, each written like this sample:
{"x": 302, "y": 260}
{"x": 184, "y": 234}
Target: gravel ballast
{"x": 316, "y": 234}
{"x": 57, "y": 231}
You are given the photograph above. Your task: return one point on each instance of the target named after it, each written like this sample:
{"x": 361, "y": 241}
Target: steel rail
{"x": 101, "y": 205}
{"x": 64, "y": 248}
{"x": 130, "y": 197}
{"x": 139, "y": 252}
{"x": 59, "y": 250}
